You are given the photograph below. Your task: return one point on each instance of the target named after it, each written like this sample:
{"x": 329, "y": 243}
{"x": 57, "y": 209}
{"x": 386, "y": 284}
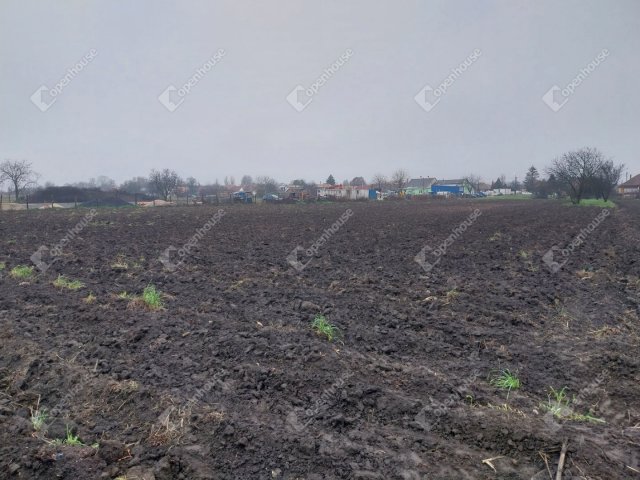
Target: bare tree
{"x": 379, "y": 181}
{"x": 192, "y": 186}
{"x": 358, "y": 182}
{"x": 91, "y": 183}
{"x": 576, "y": 170}
{"x": 606, "y": 179}
{"x": 266, "y": 185}
{"x": 135, "y": 185}
{"x": 246, "y": 181}
{"x": 474, "y": 180}
{"x": 211, "y": 189}
{"x": 164, "y": 182}
{"x": 105, "y": 183}
{"x": 19, "y": 173}
{"x": 400, "y": 179}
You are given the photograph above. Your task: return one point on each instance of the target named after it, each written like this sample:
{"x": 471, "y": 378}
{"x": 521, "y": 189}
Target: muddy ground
{"x": 229, "y": 380}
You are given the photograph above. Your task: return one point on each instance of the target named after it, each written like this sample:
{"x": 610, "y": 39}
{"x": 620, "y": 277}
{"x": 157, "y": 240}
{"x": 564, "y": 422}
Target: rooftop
{"x": 458, "y": 181}
{"x": 424, "y": 182}
{"x": 632, "y": 182}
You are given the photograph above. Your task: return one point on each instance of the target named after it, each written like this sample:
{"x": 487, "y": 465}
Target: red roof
{"x": 632, "y": 182}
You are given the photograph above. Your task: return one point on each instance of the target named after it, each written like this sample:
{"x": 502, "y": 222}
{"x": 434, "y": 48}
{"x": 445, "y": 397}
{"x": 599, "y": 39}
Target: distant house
{"x": 452, "y": 187}
{"x": 344, "y": 192}
{"x": 630, "y": 188}
{"x": 293, "y": 192}
{"x": 420, "y": 186}
{"x": 358, "y": 182}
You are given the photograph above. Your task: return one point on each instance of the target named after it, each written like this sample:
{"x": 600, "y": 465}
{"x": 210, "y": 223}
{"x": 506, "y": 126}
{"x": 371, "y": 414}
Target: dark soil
{"x": 106, "y": 202}
{"x": 229, "y": 381}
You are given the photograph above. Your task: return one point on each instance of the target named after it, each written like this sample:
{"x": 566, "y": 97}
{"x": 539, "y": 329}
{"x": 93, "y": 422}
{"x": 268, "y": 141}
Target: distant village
{"x": 145, "y": 192}
{"x": 166, "y": 187}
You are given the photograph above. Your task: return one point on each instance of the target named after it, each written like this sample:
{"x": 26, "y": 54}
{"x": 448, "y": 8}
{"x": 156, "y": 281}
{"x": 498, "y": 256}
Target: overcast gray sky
{"x": 365, "y": 118}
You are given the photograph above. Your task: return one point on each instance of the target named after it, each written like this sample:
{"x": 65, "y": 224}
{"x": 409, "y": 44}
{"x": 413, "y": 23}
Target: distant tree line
{"x": 577, "y": 174}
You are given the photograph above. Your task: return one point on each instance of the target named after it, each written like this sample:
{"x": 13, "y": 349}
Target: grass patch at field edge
{"x": 592, "y": 202}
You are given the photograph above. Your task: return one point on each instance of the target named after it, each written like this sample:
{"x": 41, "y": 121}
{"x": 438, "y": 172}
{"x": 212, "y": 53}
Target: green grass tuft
{"x": 324, "y": 328}
{"x": 22, "y": 271}
{"x": 152, "y": 298}
{"x": 38, "y": 417}
{"x": 559, "y": 404}
{"x": 70, "y": 440}
{"x": 89, "y": 299}
{"x": 64, "y": 282}
{"x": 506, "y": 380}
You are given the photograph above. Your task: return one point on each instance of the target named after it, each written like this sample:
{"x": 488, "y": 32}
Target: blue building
{"x": 451, "y": 187}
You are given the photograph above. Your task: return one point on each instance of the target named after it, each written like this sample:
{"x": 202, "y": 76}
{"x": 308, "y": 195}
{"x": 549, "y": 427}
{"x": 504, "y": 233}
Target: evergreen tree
{"x": 531, "y": 179}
